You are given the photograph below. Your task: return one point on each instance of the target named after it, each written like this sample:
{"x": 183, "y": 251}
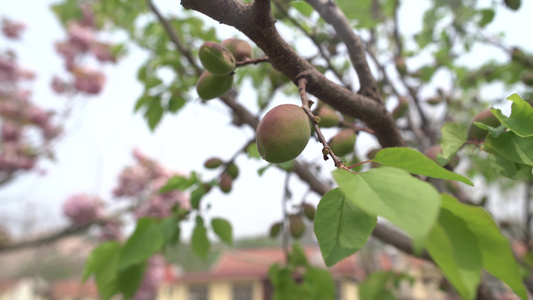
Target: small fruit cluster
{"x": 220, "y": 60}
{"x": 230, "y": 173}
{"x": 296, "y": 222}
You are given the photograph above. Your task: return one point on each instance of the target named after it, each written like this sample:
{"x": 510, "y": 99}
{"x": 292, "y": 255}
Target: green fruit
{"x": 486, "y": 117}
{"x": 225, "y": 183}
{"x": 283, "y": 133}
{"x": 213, "y": 163}
{"x": 343, "y": 142}
{"x": 275, "y": 229}
{"x": 240, "y": 49}
{"x": 434, "y": 100}
{"x": 232, "y": 170}
{"x": 309, "y": 211}
{"x": 513, "y": 4}
{"x": 216, "y": 58}
{"x": 210, "y": 86}
{"x": 400, "y": 65}
{"x": 296, "y": 226}
{"x": 328, "y": 116}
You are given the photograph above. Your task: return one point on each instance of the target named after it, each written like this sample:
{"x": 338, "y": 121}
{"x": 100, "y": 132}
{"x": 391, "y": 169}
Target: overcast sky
{"x": 102, "y": 131}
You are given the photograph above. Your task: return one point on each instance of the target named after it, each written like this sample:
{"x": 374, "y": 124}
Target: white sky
{"x": 102, "y": 131}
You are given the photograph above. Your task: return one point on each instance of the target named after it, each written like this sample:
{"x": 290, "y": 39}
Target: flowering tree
{"x": 355, "y": 75}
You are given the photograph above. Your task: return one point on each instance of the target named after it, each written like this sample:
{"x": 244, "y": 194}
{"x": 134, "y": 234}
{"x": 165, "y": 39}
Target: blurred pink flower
{"x": 110, "y": 230}
{"x": 83, "y": 209}
{"x": 12, "y": 29}
{"x": 81, "y": 37}
{"x": 153, "y": 276}
{"x": 88, "y": 80}
{"x": 102, "y": 51}
{"x": 58, "y": 85}
{"x": 87, "y": 19}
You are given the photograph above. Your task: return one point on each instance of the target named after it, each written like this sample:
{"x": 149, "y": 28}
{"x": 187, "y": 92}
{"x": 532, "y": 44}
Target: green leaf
{"x": 106, "y": 277}
{"x": 252, "y": 151}
{"x": 179, "y": 183}
{"x": 297, "y": 257}
{"x": 170, "y": 228}
{"x": 146, "y": 240}
{"x": 222, "y": 229}
{"x": 394, "y": 194}
{"x": 196, "y": 196}
{"x": 521, "y": 119}
{"x": 130, "y": 279}
{"x": 376, "y": 287}
{"x": 320, "y": 283}
{"x": 199, "y": 240}
{"x": 303, "y": 7}
{"x": 512, "y": 147}
{"x": 99, "y": 257}
{"x": 154, "y": 114}
{"x": 453, "y": 137}
{"x": 496, "y": 253}
{"x": 340, "y": 227}
{"x": 487, "y": 15}
{"x": 175, "y": 104}
{"x": 454, "y": 248}
{"x": 508, "y": 168}
{"x": 415, "y": 162}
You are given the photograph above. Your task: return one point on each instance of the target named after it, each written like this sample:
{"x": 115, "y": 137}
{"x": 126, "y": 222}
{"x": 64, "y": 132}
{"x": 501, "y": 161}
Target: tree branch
{"x": 264, "y": 34}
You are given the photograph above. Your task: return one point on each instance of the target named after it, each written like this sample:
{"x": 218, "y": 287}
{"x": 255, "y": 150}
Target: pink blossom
{"x": 153, "y": 276}
{"x": 15, "y": 156}
{"x": 8, "y": 70}
{"x": 80, "y": 36}
{"x": 11, "y": 132}
{"x": 132, "y": 181}
{"x": 88, "y": 81}
{"x": 102, "y": 51}
{"x": 83, "y": 209}
{"x": 38, "y": 116}
{"x": 87, "y": 19}
{"x": 12, "y": 29}
{"x": 160, "y": 205}
{"x": 58, "y": 85}
{"x": 110, "y": 230}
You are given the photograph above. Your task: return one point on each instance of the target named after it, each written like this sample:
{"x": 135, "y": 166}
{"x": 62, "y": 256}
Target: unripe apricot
{"x": 401, "y": 109}
{"x": 210, "y": 86}
{"x": 275, "y": 229}
{"x": 283, "y": 133}
{"x": 513, "y": 4}
{"x": 232, "y": 170}
{"x": 343, "y": 142}
{"x": 328, "y": 116}
{"x": 213, "y": 163}
{"x": 296, "y": 226}
{"x": 309, "y": 211}
{"x": 216, "y": 58}
{"x": 486, "y": 117}
{"x": 240, "y": 49}
{"x": 225, "y": 183}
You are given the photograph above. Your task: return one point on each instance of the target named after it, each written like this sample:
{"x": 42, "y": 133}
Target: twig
{"x": 302, "y": 83}
{"x": 254, "y": 61}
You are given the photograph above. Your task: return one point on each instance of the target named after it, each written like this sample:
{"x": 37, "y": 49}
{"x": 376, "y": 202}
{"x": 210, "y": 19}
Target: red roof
{"x": 253, "y": 263}
{"x": 73, "y": 288}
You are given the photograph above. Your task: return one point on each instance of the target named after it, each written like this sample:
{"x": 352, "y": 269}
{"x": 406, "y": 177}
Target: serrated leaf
{"x": 394, "y": 194}
{"x": 199, "y": 240}
{"x": 512, "y": 147}
{"x": 496, "y": 253}
{"x": 130, "y": 279}
{"x": 340, "y": 227}
{"x": 521, "y": 119}
{"x": 415, "y": 162}
{"x": 223, "y": 230}
{"x": 455, "y": 250}
{"x": 508, "y": 168}
{"x": 98, "y": 258}
{"x": 145, "y": 241}
{"x": 453, "y": 137}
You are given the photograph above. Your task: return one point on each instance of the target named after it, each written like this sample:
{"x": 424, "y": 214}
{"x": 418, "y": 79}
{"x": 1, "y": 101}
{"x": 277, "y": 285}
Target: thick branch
{"x": 333, "y": 15}
{"x": 263, "y": 32}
